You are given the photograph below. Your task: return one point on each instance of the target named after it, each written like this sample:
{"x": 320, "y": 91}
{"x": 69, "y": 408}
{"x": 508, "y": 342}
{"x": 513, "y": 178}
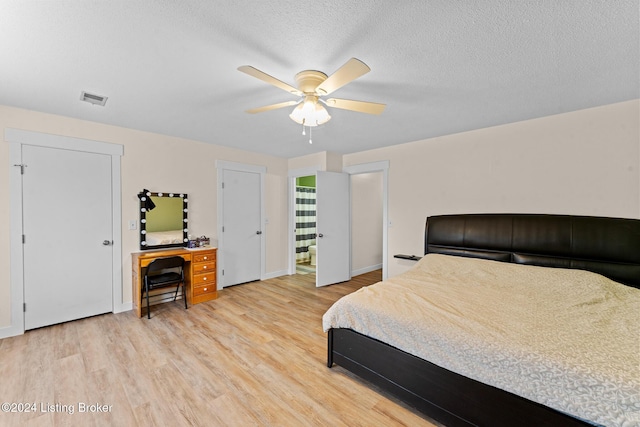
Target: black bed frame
{"x": 608, "y": 246}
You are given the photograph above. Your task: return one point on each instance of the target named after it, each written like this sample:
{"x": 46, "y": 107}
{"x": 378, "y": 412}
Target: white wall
{"x": 584, "y": 162}
{"x": 176, "y": 164}
{"x": 322, "y": 161}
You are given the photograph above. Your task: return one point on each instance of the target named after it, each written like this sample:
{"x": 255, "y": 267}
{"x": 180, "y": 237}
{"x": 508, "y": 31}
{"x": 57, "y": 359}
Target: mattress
{"x": 568, "y": 339}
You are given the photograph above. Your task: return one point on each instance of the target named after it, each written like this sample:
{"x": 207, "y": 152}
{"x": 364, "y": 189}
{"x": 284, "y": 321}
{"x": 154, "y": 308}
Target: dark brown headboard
{"x": 608, "y": 246}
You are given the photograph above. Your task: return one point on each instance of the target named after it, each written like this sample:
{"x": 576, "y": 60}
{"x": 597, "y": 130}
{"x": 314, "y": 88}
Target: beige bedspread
{"x": 568, "y": 339}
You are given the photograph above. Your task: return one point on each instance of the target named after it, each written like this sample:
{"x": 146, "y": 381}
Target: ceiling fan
{"x": 312, "y": 86}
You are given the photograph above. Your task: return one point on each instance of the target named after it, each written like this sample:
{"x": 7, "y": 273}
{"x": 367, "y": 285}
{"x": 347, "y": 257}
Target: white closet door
{"x": 67, "y": 224}
{"x": 241, "y": 227}
{"x": 333, "y": 225}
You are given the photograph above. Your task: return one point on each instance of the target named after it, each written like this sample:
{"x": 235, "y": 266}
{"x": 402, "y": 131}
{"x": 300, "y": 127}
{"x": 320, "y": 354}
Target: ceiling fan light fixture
{"x": 310, "y": 113}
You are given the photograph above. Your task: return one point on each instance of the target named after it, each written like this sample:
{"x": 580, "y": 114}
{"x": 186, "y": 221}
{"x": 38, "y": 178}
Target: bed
{"x": 586, "y": 253}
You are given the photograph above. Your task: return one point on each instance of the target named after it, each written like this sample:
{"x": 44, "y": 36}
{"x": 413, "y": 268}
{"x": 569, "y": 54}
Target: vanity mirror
{"x": 163, "y": 220}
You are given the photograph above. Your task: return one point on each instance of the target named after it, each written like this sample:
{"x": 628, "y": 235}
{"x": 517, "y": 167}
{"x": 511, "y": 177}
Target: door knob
{"x": 320, "y": 235}
{"x": 258, "y": 232}
{"x": 106, "y": 242}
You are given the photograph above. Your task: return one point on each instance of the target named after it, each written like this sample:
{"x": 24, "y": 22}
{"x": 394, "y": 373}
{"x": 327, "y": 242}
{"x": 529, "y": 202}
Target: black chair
{"x": 164, "y": 272}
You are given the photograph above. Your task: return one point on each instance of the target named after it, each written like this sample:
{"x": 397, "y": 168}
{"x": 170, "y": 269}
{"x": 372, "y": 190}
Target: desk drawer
{"x": 205, "y": 278}
{"x": 203, "y": 267}
{"x": 204, "y": 257}
{"x": 201, "y": 290}
{"x": 145, "y": 261}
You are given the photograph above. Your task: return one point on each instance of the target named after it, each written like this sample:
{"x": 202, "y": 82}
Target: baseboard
{"x": 275, "y": 274}
{"x": 10, "y": 331}
{"x": 366, "y": 270}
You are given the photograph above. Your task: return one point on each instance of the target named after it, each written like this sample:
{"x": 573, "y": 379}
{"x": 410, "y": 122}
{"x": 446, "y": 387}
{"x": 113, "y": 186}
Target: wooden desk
{"x": 199, "y": 274}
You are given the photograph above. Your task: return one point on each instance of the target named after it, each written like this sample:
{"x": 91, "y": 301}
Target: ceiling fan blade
{"x": 272, "y": 107}
{"x": 350, "y": 71}
{"x": 359, "y": 106}
{"x": 254, "y": 72}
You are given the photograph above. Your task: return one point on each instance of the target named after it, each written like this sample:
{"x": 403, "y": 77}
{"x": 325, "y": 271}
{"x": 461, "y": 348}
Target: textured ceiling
{"x": 441, "y": 66}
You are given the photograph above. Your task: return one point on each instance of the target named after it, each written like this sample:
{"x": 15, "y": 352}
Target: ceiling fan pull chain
{"x": 303, "y": 132}
{"x": 310, "y": 142}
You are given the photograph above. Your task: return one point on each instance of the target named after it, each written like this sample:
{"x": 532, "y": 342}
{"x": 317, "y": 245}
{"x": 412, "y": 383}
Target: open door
{"x": 333, "y": 226}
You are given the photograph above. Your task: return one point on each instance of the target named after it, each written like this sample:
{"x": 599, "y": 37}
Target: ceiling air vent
{"x": 92, "y": 98}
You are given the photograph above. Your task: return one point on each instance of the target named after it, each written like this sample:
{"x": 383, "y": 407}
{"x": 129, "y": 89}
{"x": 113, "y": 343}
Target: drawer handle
{"x": 204, "y": 268}
{"x": 204, "y": 278}
{"x": 205, "y": 289}
{"x": 205, "y": 258}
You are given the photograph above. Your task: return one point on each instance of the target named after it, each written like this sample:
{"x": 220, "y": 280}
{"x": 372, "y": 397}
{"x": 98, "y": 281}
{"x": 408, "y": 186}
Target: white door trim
{"x": 221, "y": 166}
{"x": 16, "y": 138}
{"x": 381, "y": 166}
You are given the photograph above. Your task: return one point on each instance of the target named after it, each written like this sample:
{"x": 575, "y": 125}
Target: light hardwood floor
{"x": 256, "y": 356}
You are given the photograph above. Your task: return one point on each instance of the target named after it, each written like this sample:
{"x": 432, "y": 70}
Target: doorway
{"x": 370, "y": 219}
{"x": 332, "y": 230}
{"x": 305, "y": 224}
{"x": 366, "y": 222}
{"x": 381, "y": 171}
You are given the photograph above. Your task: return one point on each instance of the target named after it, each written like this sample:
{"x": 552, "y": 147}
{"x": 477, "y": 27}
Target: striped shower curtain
{"x": 305, "y": 222}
